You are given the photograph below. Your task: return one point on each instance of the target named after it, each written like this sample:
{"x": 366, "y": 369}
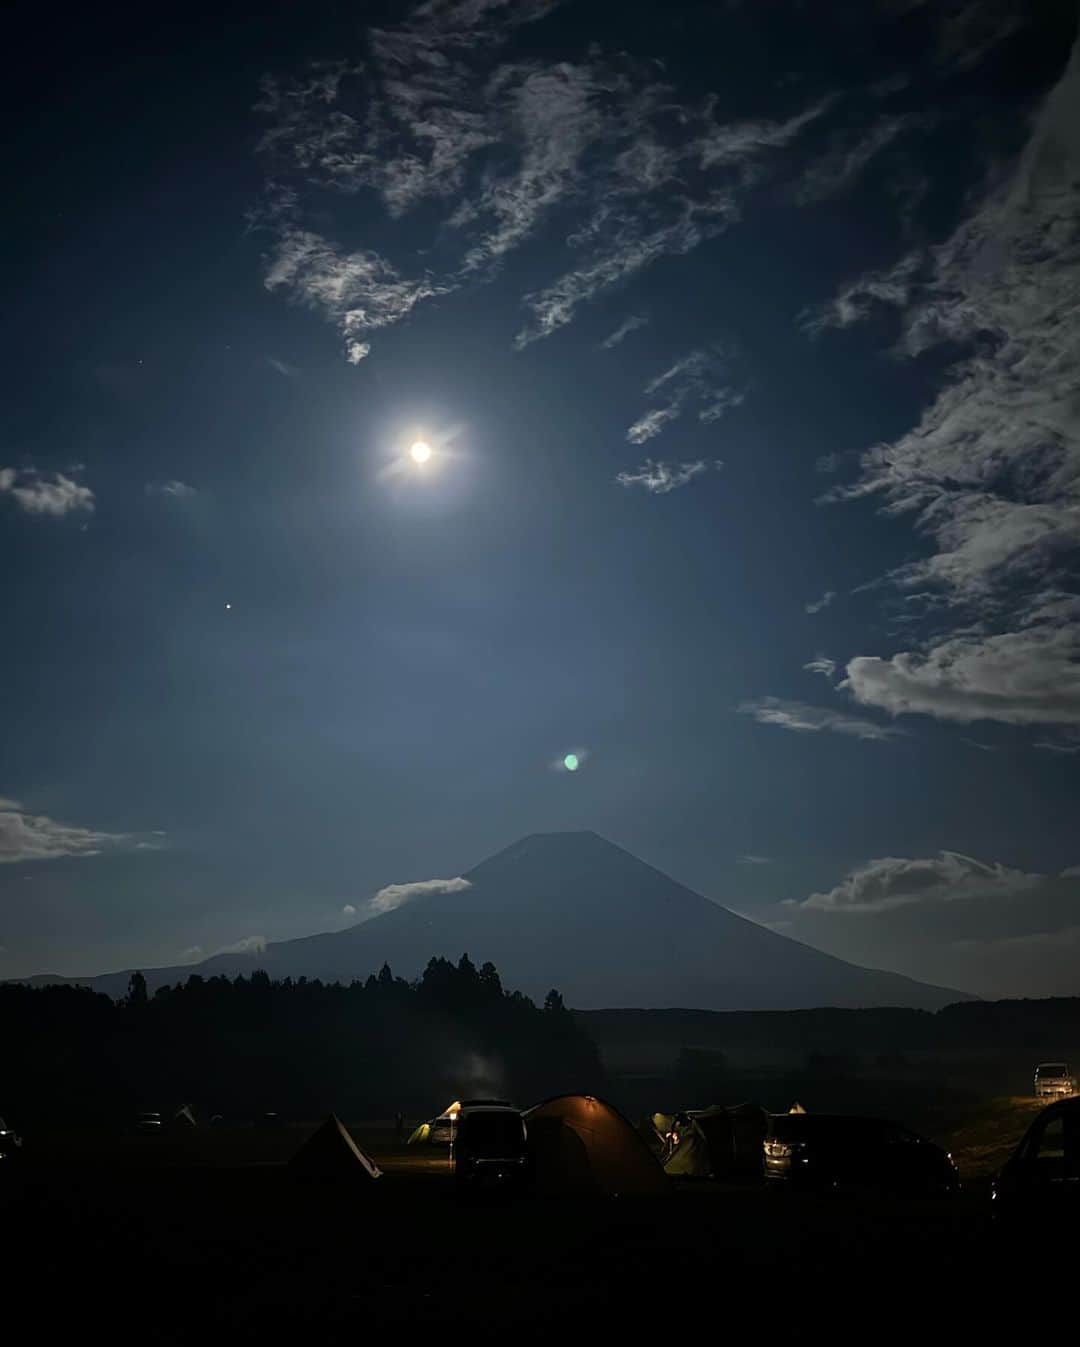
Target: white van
{"x": 1053, "y": 1081}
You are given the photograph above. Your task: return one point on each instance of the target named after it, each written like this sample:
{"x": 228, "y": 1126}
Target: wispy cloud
{"x": 45, "y": 494}
{"x": 255, "y": 945}
{"x": 817, "y": 605}
{"x": 804, "y": 719}
{"x": 36, "y": 837}
{"x": 749, "y": 859}
{"x": 286, "y": 370}
{"x": 397, "y": 895}
{"x": 991, "y": 474}
{"x": 628, "y": 325}
{"x": 821, "y": 665}
{"x": 849, "y": 154}
{"x": 435, "y": 113}
{"x": 173, "y": 489}
{"x": 700, "y": 376}
{"x": 658, "y": 478}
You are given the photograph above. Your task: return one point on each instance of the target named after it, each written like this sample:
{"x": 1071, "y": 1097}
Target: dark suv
{"x": 1040, "y": 1181}
{"x": 490, "y": 1147}
{"x": 831, "y": 1151}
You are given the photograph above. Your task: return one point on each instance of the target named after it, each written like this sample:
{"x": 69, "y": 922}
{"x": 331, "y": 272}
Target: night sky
{"x": 746, "y": 339}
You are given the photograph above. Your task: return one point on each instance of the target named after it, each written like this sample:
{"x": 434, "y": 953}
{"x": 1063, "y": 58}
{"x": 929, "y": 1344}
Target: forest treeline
{"x": 244, "y": 1047}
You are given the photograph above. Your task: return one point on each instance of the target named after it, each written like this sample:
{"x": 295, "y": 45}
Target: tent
{"x": 331, "y": 1153}
{"x": 718, "y": 1142}
{"x": 579, "y": 1145}
{"x": 796, "y": 1108}
{"x": 438, "y": 1129}
{"x": 183, "y": 1120}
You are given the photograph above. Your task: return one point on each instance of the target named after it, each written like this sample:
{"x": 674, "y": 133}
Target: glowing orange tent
{"x": 581, "y": 1145}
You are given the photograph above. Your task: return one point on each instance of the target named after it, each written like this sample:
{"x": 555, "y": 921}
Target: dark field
{"x": 209, "y": 1237}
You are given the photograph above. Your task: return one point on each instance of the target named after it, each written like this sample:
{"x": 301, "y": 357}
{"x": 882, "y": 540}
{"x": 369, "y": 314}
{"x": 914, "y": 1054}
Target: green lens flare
{"x": 570, "y": 762}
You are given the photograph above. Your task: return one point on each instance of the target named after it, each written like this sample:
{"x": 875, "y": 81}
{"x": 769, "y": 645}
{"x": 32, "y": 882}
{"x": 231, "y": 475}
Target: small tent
{"x": 718, "y": 1142}
{"x": 796, "y": 1108}
{"x": 183, "y": 1120}
{"x": 579, "y": 1145}
{"x": 440, "y": 1129}
{"x": 331, "y": 1153}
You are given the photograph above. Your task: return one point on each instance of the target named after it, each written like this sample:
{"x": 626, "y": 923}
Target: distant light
{"x": 420, "y": 452}
{"x": 571, "y": 762}
{"x": 228, "y": 606}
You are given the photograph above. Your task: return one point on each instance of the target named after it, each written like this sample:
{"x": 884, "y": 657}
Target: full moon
{"x": 420, "y": 452}
{"x": 570, "y": 762}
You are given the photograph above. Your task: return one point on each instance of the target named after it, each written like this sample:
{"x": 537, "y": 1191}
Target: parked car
{"x": 1041, "y": 1179}
{"x": 1053, "y": 1080}
{"x": 831, "y": 1151}
{"x": 148, "y": 1122}
{"x": 490, "y": 1147}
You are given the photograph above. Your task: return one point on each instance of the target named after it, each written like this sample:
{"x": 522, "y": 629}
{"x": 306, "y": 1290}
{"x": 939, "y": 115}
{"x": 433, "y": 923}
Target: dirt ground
{"x": 209, "y": 1237}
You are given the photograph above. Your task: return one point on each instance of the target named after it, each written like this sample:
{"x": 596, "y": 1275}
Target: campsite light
{"x": 453, "y": 1117}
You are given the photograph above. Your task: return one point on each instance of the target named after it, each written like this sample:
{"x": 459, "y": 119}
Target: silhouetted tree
{"x": 553, "y": 1003}
{"x": 136, "y": 992}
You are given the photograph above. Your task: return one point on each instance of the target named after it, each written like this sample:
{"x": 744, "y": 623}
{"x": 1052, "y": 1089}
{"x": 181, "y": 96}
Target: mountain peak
{"x": 559, "y": 849}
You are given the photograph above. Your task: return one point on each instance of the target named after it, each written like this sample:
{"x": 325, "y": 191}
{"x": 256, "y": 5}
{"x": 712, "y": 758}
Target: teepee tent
{"x": 581, "y": 1145}
{"x": 331, "y": 1153}
{"x": 796, "y": 1108}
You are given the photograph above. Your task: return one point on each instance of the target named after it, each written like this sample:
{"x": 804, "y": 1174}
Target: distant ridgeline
{"x": 248, "y": 1046}
{"x": 832, "y": 1039}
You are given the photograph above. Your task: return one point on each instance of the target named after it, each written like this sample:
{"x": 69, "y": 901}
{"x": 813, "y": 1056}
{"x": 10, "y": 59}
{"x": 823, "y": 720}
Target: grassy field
{"x": 209, "y": 1236}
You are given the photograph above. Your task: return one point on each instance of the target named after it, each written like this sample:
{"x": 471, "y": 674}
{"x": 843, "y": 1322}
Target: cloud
{"x": 821, "y": 665}
{"x": 1030, "y": 676}
{"x": 818, "y": 604}
{"x": 284, "y": 369}
{"x": 255, "y": 945}
{"x": 893, "y": 881}
{"x": 990, "y": 476}
{"x": 967, "y": 33}
{"x": 749, "y": 859}
{"x": 396, "y": 895}
{"x": 804, "y": 719}
{"x": 837, "y": 169}
{"x": 34, "y": 837}
{"x": 174, "y": 489}
{"x": 949, "y": 918}
{"x": 193, "y": 954}
{"x": 35, "y": 493}
{"x": 628, "y": 325}
{"x": 658, "y": 478}
{"x": 355, "y": 351}
{"x": 697, "y": 376}
{"x": 358, "y": 291}
{"x": 348, "y": 910}
{"x": 435, "y": 114}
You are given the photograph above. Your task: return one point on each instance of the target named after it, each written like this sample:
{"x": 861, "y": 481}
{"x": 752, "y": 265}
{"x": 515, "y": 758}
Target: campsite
{"x": 260, "y": 1234}
{"x": 147, "y": 1189}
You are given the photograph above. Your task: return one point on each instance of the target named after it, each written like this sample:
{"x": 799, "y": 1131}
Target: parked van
{"x": 1053, "y": 1081}
{"x": 489, "y": 1148}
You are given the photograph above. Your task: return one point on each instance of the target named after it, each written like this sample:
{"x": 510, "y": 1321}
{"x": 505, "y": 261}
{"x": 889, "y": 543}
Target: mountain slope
{"x": 574, "y": 911}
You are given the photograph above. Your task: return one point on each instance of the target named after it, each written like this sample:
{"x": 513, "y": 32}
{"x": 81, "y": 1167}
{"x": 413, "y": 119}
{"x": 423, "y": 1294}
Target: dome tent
{"x": 580, "y": 1145}
{"x": 719, "y": 1143}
